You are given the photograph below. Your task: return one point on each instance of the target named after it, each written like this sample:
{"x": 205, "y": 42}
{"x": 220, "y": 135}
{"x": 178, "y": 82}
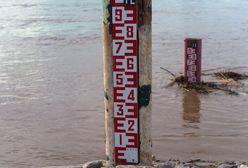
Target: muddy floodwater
{"x": 51, "y": 82}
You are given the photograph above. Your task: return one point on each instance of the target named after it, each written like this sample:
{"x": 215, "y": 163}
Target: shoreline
{"x": 165, "y": 164}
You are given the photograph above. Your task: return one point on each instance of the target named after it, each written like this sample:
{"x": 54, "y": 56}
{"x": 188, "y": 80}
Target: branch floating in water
{"x": 172, "y": 74}
{"x": 228, "y": 81}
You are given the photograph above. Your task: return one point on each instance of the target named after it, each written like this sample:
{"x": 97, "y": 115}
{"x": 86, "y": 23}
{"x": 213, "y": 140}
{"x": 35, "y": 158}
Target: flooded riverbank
{"x": 166, "y": 164}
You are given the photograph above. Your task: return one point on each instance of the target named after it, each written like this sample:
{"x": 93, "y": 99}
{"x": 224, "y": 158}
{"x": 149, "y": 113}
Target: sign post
{"x": 192, "y": 60}
{"x": 125, "y": 78}
{"x": 127, "y": 81}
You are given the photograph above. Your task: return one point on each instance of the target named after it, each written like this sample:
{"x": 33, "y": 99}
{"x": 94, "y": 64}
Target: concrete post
{"x": 127, "y": 81}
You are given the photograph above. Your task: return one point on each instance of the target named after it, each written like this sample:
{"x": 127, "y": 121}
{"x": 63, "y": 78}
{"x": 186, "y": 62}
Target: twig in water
{"x": 170, "y": 84}
{"x": 172, "y": 74}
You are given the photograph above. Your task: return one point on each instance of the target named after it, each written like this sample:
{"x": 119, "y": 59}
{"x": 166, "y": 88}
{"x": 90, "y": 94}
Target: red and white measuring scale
{"x": 192, "y": 60}
{"x": 125, "y": 80}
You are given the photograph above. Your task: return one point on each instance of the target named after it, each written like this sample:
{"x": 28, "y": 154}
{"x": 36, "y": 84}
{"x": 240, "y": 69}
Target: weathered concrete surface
{"x": 75, "y": 166}
{"x": 92, "y": 164}
{"x": 166, "y": 164}
{"x": 131, "y": 166}
{"x": 200, "y": 164}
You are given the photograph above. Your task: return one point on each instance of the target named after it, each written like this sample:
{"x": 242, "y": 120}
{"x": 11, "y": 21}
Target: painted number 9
{"x": 118, "y": 15}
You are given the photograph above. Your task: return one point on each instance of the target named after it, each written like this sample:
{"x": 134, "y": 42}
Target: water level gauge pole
{"x": 192, "y": 60}
{"x": 127, "y": 81}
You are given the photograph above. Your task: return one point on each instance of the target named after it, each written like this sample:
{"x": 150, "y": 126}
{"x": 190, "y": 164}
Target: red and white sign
{"x": 125, "y": 78}
{"x": 192, "y": 60}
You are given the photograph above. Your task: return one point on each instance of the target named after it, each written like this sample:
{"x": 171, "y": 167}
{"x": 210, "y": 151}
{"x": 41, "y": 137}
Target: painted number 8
{"x": 129, "y": 31}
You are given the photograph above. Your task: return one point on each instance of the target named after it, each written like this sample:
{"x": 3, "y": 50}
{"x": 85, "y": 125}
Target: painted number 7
{"x": 117, "y": 48}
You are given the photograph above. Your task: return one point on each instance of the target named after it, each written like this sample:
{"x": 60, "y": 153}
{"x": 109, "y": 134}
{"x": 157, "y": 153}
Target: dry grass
{"x": 230, "y": 75}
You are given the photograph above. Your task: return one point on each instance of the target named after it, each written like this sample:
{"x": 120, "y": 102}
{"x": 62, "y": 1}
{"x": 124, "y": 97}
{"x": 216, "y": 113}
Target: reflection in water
{"x": 191, "y": 109}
